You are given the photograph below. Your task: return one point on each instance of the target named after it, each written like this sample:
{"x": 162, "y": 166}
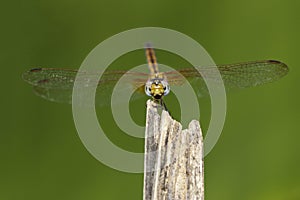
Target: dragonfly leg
{"x": 163, "y": 105}
{"x": 160, "y": 103}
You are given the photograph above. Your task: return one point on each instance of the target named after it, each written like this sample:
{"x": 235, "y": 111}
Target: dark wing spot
{"x": 36, "y": 69}
{"x": 274, "y": 61}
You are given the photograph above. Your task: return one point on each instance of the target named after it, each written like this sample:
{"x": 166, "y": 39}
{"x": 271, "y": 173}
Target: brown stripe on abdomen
{"x": 151, "y": 58}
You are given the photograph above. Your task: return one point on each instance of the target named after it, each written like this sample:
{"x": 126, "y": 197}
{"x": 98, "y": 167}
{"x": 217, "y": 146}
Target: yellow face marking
{"x": 157, "y": 90}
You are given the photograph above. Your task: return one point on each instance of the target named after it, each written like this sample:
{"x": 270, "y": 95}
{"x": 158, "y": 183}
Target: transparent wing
{"x": 65, "y": 78}
{"x": 239, "y": 75}
{"x": 57, "y": 84}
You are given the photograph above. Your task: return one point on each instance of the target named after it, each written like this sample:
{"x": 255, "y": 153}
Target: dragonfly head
{"x": 157, "y": 88}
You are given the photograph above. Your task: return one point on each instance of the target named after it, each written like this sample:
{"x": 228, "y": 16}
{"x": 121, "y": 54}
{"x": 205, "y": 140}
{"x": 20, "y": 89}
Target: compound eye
{"x": 166, "y": 89}
{"x": 148, "y": 90}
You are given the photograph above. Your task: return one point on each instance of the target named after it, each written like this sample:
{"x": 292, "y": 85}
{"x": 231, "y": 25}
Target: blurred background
{"x": 42, "y": 157}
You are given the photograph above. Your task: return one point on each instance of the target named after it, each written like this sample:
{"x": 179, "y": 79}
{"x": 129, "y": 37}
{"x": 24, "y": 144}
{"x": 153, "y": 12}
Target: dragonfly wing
{"x": 57, "y": 84}
{"x": 250, "y": 74}
{"x": 50, "y": 77}
{"x": 240, "y": 75}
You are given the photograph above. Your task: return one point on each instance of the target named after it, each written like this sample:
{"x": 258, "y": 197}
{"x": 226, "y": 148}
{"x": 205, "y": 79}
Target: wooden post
{"x": 173, "y": 166}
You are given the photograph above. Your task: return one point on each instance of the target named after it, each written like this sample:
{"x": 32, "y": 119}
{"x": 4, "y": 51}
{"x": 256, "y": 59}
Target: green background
{"x": 42, "y": 157}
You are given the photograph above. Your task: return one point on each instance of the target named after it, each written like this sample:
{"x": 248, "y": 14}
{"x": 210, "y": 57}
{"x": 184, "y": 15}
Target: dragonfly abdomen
{"x": 152, "y": 62}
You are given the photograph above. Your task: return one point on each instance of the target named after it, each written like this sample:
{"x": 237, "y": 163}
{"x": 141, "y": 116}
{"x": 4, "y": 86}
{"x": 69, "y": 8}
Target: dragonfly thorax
{"x": 157, "y": 88}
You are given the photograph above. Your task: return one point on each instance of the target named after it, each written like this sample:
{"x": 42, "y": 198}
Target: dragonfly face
{"x": 157, "y": 88}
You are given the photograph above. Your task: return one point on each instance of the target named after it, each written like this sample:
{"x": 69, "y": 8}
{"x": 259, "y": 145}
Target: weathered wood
{"x": 174, "y": 167}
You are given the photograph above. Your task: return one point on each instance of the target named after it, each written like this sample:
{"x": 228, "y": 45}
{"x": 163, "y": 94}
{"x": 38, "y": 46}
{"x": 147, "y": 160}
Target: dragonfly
{"x": 56, "y": 84}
